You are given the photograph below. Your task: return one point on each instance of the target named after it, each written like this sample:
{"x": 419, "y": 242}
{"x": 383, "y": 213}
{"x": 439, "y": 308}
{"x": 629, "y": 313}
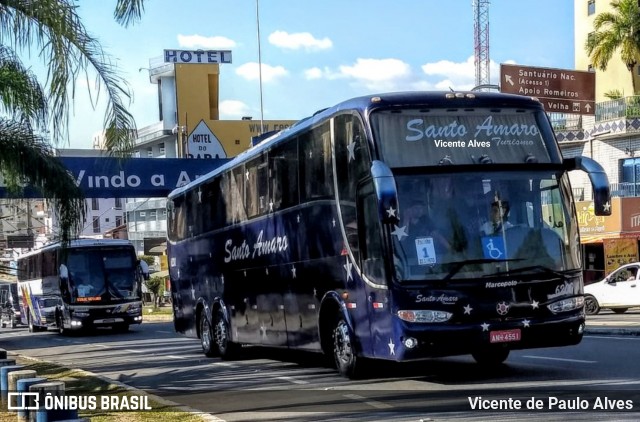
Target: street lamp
{"x": 259, "y": 66}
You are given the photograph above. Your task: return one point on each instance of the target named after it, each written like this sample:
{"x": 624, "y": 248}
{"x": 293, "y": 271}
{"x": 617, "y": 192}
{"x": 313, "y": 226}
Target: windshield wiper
{"x": 457, "y": 266}
{"x": 540, "y": 268}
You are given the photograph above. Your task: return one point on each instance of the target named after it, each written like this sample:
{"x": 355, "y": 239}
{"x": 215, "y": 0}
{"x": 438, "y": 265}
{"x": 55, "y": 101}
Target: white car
{"x": 619, "y": 291}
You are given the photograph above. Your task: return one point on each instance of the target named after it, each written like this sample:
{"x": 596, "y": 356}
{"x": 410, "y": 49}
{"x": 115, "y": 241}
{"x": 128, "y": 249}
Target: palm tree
{"x": 34, "y": 117}
{"x": 617, "y": 30}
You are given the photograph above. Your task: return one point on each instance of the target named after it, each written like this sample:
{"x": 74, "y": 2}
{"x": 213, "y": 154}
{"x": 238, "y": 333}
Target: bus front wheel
{"x": 344, "y": 352}
{"x": 491, "y": 356}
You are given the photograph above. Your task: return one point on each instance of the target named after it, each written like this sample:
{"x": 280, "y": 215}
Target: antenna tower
{"x": 481, "y": 41}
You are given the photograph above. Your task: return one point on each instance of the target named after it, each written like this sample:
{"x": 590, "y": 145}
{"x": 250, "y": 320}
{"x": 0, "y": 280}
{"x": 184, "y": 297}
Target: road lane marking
{"x": 134, "y": 351}
{"x": 173, "y": 356}
{"x": 373, "y": 403}
{"x": 560, "y": 359}
{"x": 292, "y": 380}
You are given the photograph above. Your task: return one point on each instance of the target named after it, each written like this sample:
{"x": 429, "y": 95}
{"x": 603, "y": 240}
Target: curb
{"x": 205, "y": 416}
{"x": 613, "y": 331}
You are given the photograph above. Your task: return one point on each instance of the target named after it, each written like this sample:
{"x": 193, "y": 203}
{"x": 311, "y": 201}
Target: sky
{"x": 315, "y": 54}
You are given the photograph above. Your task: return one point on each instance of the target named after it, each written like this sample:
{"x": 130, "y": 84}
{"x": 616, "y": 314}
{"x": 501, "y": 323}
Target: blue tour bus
{"x": 398, "y": 226}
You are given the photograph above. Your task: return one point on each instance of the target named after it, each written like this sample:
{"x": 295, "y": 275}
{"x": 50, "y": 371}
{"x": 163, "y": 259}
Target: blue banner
{"x": 106, "y": 177}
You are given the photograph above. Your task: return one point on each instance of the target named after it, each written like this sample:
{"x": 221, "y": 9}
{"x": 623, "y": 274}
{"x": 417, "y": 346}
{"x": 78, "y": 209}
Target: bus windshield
{"x": 480, "y": 224}
{"x": 102, "y": 274}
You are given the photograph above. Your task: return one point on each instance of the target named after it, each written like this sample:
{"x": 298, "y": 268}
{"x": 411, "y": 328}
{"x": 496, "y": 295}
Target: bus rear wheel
{"x": 344, "y": 352}
{"x": 206, "y": 337}
{"x": 222, "y": 337}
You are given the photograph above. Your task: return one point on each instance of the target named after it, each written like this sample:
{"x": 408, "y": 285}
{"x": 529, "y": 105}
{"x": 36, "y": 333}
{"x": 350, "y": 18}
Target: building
{"x": 612, "y": 138}
{"x": 189, "y": 127}
{"x": 617, "y": 76}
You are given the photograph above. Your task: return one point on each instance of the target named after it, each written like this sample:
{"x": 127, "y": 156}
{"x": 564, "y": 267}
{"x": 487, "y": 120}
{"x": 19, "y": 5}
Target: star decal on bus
{"x": 485, "y": 326}
{"x": 391, "y": 212}
{"x": 392, "y": 347}
{"x": 400, "y": 232}
{"x": 526, "y": 323}
{"x": 468, "y": 309}
{"x": 348, "y": 266}
{"x": 535, "y": 304}
{"x": 607, "y": 206}
{"x": 351, "y": 147}
{"x": 293, "y": 271}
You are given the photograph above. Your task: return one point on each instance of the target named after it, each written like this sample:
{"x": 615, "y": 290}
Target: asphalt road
{"x": 266, "y": 384}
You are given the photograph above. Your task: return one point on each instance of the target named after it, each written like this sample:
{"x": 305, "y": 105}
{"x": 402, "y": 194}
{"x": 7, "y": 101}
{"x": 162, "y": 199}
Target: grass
{"x": 79, "y": 382}
{"x": 160, "y": 313}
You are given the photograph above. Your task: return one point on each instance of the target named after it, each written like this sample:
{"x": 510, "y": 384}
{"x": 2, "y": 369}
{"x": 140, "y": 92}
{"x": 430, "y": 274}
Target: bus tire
{"x": 222, "y": 343}
{"x": 591, "y": 305}
{"x": 206, "y": 337}
{"x": 491, "y": 356}
{"x": 344, "y": 351}
{"x": 60, "y": 322}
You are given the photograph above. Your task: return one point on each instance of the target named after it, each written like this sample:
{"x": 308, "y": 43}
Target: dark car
{"x": 9, "y": 304}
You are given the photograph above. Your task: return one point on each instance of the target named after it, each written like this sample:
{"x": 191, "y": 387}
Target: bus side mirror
{"x": 144, "y": 268}
{"x": 599, "y": 182}
{"x": 386, "y": 192}
{"x": 64, "y": 272}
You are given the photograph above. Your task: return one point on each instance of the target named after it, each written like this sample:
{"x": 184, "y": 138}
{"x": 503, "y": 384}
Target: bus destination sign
{"x": 560, "y": 90}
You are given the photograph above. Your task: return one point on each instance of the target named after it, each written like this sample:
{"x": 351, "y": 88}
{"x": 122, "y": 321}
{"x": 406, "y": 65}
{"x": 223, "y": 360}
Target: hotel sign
{"x": 559, "y": 90}
{"x": 197, "y": 56}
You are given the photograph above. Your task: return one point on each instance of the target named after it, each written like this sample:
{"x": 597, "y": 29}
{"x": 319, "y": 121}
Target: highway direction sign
{"x": 560, "y": 90}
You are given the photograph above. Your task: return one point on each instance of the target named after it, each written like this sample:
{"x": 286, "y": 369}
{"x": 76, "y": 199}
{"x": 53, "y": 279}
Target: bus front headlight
{"x": 566, "y": 305}
{"x": 424, "y": 315}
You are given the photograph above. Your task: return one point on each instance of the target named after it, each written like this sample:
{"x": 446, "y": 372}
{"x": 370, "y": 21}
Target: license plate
{"x": 505, "y": 336}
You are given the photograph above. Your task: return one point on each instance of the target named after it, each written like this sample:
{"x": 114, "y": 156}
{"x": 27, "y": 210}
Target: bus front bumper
{"x": 419, "y": 342}
{"x": 78, "y": 323}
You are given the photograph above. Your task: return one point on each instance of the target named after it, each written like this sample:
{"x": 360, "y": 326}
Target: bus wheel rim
{"x": 206, "y": 334}
{"x": 342, "y": 344}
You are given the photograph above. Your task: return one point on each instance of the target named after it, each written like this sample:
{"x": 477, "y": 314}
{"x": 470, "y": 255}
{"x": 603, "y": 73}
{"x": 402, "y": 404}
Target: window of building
{"x": 591, "y": 7}
{"x": 118, "y": 220}
{"x": 161, "y": 147}
{"x": 96, "y": 224}
{"x": 149, "y": 152}
{"x": 118, "y": 204}
{"x": 95, "y": 204}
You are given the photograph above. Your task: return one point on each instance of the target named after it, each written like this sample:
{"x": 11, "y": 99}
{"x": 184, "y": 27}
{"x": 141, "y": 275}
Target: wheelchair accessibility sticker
{"x": 493, "y": 247}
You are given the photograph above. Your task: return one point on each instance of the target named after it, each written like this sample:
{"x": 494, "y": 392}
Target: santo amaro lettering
{"x": 418, "y": 131}
{"x": 261, "y": 247}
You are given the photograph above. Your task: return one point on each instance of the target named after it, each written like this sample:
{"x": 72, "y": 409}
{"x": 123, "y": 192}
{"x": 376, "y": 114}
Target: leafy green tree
{"x": 616, "y": 31}
{"x": 34, "y": 116}
{"x": 156, "y": 287}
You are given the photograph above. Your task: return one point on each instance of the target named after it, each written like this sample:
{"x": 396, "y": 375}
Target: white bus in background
{"x": 88, "y": 284}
